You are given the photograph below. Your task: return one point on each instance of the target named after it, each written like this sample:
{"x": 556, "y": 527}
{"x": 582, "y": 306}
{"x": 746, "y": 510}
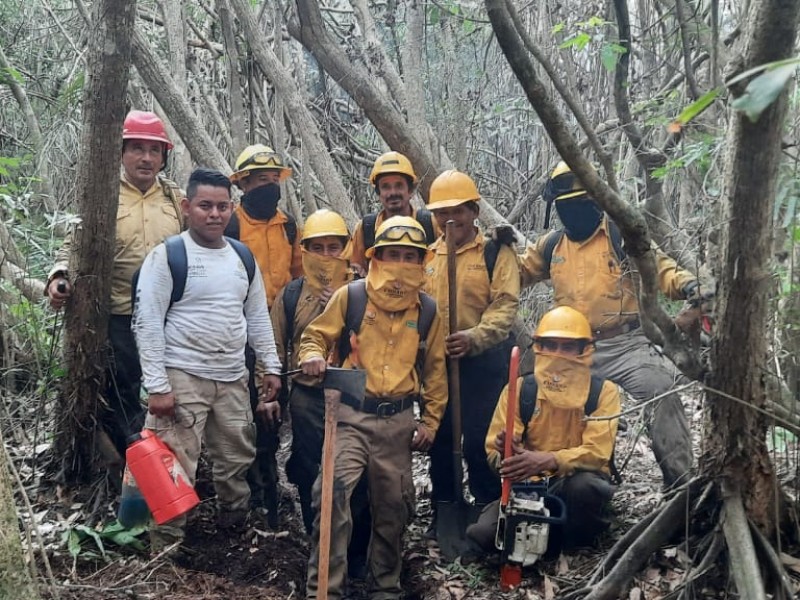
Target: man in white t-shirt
{"x": 191, "y": 347}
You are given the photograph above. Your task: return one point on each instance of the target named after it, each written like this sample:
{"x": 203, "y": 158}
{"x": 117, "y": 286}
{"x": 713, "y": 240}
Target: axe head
{"x": 352, "y": 382}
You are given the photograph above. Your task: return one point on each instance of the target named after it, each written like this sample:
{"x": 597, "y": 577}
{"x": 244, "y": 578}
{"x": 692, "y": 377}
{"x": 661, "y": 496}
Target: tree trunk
{"x": 15, "y": 577}
{"x": 180, "y": 113}
{"x": 97, "y": 193}
{"x": 235, "y": 96}
{"x": 301, "y": 116}
{"x": 736, "y": 448}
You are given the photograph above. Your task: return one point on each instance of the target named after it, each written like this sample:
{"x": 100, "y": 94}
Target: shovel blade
{"x": 352, "y": 382}
{"x": 452, "y": 519}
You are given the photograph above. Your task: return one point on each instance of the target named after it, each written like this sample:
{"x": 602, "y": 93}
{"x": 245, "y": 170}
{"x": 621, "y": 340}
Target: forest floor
{"x": 263, "y": 564}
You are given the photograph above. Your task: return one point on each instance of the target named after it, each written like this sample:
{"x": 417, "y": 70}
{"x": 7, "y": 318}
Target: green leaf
{"x": 557, "y": 28}
{"x": 434, "y": 15}
{"x": 764, "y": 67}
{"x": 763, "y": 91}
{"x": 609, "y": 55}
{"x": 698, "y": 106}
{"x": 594, "y": 21}
{"x": 579, "y": 41}
{"x": 468, "y": 26}
{"x": 73, "y": 543}
{"x": 94, "y": 535}
{"x": 10, "y": 73}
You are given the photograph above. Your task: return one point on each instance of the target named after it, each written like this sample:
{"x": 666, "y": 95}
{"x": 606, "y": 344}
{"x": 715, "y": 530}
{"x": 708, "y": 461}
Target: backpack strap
{"x": 425, "y": 218}
{"x": 232, "y": 230}
{"x": 616, "y": 241}
{"x": 550, "y": 243}
{"x": 178, "y": 266}
{"x": 490, "y": 251}
{"x": 290, "y": 228}
{"x": 427, "y": 312}
{"x": 527, "y": 401}
{"x": 356, "y": 307}
{"x": 175, "y": 194}
{"x": 291, "y": 296}
{"x": 368, "y": 229}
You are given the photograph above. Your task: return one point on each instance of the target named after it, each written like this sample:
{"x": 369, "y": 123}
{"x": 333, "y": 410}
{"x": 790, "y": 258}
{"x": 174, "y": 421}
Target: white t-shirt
{"x": 205, "y": 332}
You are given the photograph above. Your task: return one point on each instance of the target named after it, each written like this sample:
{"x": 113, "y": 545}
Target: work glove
{"x": 699, "y": 296}
{"x": 504, "y": 235}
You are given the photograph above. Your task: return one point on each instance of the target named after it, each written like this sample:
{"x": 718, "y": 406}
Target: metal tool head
{"x": 352, "y": 382}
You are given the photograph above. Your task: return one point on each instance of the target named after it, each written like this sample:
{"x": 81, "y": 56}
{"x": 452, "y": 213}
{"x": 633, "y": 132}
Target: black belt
{"x": 382, "y": 407}
{"x": 607, "y": 334}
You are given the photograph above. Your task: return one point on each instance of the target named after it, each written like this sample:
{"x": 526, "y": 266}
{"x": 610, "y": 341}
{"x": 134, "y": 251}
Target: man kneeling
{"x": 552, "y": 438}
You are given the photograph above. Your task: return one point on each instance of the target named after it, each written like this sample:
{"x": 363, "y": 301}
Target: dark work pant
{"x": 482, "y": 379}
{"x": 307, "y": 407}
{"x": 585, "y": 494}
{"x": 263, "y": 473}
{"x": 124, "y": 415}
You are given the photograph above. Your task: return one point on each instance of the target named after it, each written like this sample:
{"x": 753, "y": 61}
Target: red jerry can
{"x": 160, "y": 477}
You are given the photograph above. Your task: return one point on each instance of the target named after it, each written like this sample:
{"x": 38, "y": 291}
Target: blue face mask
{"x": 580, "y": 216}
{"x": 261, "y": 203}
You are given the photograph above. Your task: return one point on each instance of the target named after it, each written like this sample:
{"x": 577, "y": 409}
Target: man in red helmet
{"x": 148, "y": 212}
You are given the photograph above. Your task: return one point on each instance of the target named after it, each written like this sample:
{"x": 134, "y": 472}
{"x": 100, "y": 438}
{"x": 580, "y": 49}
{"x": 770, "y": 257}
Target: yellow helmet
{"x": 399, "y": 231}
{"x": 563, "y": 322}
{"x": 324, "y": 222}
{"x": 452, "y": 188}
{"x": 563, "y": 184}
{"x": 259, "y": 156}
{"x": 392, "y": 163}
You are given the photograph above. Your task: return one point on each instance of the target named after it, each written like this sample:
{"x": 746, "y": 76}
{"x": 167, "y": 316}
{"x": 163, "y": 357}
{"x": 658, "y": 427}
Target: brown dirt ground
{"x": 267, "y": 565}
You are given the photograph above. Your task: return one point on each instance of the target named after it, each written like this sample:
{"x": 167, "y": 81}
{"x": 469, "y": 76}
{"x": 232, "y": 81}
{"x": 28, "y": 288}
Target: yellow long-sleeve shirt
{"x": 144, "y": 220}
{"x": 486, "y": 310}
{"x": 588, "y": 277}
{"x": 387, "y": 345}
{"x": 575, "y": 442}
{"x": 278, "y": 259}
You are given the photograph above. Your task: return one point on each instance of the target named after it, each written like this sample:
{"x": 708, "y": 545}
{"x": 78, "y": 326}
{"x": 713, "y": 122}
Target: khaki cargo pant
{"x": 381, "y": 447}
{"x": 220, "y": 411}
{"x": 632, "y": 362}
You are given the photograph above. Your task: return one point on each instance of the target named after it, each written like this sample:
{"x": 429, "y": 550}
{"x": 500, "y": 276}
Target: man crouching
{"x": 553, "y": 440}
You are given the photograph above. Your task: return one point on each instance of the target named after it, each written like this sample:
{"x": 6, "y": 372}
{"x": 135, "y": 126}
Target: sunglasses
{"x": 569, "y": 347}
{"x": 266, "y": 159}
{"x": 398, "y": 232}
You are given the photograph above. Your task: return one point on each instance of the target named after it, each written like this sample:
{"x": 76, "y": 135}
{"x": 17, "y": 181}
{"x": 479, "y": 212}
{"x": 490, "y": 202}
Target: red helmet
{"x": 141, "y": 125}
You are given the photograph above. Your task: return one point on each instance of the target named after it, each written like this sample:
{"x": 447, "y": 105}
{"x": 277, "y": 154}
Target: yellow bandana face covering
{"x": 325, "y": 271}
{"x": 563, "y": 380}
{"x": 394, "y": 286}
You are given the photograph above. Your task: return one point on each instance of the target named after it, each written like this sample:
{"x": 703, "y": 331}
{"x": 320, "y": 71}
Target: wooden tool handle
{"x": 332, "y": 398}
{"x": 511, "y": 410}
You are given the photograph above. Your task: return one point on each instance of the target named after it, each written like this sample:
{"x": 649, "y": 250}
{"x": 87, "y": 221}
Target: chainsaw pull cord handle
{"x": 511, "y": 410}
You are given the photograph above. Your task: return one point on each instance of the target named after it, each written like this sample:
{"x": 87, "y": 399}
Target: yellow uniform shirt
{"x": 309, "y": 307}
{"x": 387, "y": 344}
{"x": 576, "y": 443}
{"x": 144, "y": 220}
{"x": 588, "y": 277}
{"x": 485, "y": 309}
{"x": 278, "y": 260}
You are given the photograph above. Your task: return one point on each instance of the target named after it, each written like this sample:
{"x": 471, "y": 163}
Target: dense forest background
{"x": 680, "y": 105}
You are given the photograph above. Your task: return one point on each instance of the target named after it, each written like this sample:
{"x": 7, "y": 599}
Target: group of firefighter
{"x": 239, "y": 295}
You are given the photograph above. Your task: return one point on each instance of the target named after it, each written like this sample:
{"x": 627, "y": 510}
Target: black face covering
{"x": 262, "y": 202}
{"x": 580, "y": 216}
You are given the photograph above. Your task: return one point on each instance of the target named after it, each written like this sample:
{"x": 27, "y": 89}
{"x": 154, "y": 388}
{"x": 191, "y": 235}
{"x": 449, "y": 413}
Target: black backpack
{"x": 555, "y": 236}
{"x": 179, "y": 265}
{"x": 527, "y": 406}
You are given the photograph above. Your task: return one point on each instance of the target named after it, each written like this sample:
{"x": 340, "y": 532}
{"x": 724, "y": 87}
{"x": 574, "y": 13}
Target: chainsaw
{"x": 523, "y": 528}
{"x": 526, "y": 509}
